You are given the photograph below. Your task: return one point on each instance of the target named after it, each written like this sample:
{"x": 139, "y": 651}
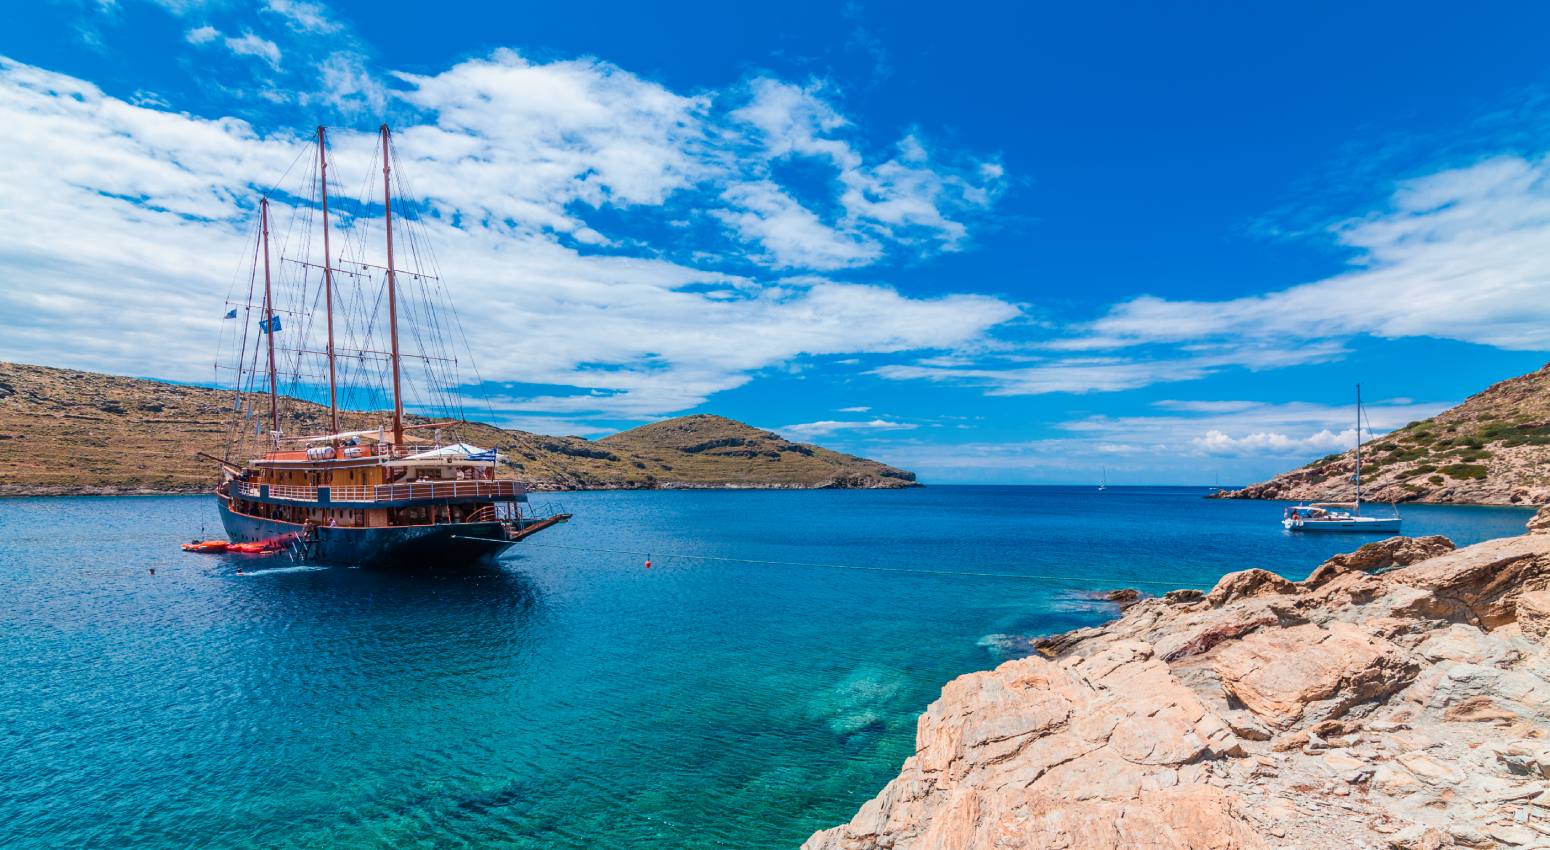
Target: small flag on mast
{"x": 232, "y": 313}
{"x": 487, "y": 456}
{"x": 270, "y": 325}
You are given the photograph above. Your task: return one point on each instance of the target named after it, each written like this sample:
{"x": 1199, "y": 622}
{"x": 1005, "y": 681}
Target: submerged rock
{"x": 1401, "y": 700}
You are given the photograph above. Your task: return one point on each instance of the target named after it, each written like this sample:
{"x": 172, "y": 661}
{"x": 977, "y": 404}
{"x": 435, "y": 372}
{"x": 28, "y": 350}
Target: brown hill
{"x": 64, "y": 431}
{"x": 1490, "y": 450}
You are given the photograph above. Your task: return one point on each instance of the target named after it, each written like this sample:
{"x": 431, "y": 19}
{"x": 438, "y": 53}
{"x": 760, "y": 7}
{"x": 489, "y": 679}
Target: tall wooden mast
{"x": 274, "y": 389}
{"x": 328, "y": 284}
{"x": 392, "y": 288}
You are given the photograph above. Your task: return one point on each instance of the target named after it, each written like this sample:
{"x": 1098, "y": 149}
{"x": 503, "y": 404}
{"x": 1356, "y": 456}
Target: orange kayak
{"x": 206, "y": 546}
{"x": 257, "y": 547}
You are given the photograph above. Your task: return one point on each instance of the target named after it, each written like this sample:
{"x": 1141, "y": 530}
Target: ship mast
{"x": 328, "y": 284}
{"x": 387, "y": 207}
{"x": 1358, "y": 449}
{"x": 274, "y": 391}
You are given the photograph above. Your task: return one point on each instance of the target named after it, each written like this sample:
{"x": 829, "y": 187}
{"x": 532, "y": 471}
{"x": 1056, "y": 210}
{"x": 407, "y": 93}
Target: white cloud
{"x": 1104, "y": 374}
{"x": 792, "y": 235}
{"x": 202, "y": 35}
{"x": 304, "y": 16}
{"x": 906, "y": 199}
{"x": 348, "y": 86}
{"x": 509, "y": 155}
{"x": 1458, "y": 254}
{"x": 858, "y": 409}
{"x": 249, "y": 44}
{"x": 1193, "y": 442}
{"x": 1215, "y": 442}
{"x": 809, "y": 430}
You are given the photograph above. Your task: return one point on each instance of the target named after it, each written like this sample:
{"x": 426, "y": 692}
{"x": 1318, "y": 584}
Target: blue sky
{"x": 991, "y": 244}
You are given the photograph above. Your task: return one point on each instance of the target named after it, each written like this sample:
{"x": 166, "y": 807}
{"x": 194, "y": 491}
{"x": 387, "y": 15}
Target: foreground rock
{"x": 1401, "y": 700}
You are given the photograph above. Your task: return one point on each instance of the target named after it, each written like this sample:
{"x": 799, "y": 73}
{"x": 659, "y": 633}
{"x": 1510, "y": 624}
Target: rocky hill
{"x": 1399, "y": 698}
{"x": 64, "y": 431}
{"x": 1492, "y": 450}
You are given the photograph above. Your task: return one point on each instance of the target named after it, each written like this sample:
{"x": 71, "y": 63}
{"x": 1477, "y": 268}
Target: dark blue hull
{"x": 443, "y": 545}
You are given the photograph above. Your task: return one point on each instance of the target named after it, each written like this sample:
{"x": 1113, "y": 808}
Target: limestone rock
{"x": 1397, "y": 701}
{"x": 1081, "y": 753}
{"x": 1124, "y": 597}
{"x": 1247, "y": 583}
{"x": 1392, "y": 552}
{"x": 1278, "y": 674}
{"x": 1533, "y": 611}
{"x": 1539, "y": 523}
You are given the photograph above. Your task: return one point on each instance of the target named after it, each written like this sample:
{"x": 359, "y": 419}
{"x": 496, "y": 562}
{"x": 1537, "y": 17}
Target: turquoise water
{"x": 567, "y": 698}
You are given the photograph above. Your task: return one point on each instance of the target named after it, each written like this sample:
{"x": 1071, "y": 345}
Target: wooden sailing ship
{"x": 389, "y": 492}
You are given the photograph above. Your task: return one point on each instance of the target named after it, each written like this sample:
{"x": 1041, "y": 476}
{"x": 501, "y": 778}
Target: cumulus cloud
{"x": 202, "y": 35}
{"x": 510, "y": 157}
{"x": 1215, "y": 442}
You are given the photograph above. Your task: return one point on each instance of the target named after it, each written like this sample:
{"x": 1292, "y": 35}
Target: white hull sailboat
{"x": 1341, "y": 516}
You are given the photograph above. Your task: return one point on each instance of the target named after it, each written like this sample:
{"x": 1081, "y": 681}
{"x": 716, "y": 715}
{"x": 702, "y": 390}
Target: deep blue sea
{"x": 566, "y": 698}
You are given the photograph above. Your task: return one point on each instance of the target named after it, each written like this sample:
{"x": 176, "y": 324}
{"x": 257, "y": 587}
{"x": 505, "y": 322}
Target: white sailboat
{"x": 1103, "y": 479}
{"x": 1341, "y": 516}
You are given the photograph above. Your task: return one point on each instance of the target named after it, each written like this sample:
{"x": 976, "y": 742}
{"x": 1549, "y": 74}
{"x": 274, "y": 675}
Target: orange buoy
{"x": 648, "y": 563}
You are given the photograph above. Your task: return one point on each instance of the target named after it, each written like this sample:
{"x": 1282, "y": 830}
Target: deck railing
{"x": 389, "y": 492}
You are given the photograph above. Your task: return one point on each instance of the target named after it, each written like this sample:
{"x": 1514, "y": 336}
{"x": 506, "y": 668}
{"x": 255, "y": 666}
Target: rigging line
{"x": 914, "y": 570}
{"x": 287, "y": 172}
{"x": 456, "y": 322}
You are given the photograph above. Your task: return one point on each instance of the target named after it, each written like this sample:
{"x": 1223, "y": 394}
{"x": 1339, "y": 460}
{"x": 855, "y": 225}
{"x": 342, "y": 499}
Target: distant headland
{"x": 68, "y": 432}
{"x": 1494, "y": 449}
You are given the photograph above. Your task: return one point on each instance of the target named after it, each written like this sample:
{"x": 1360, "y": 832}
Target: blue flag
{"x": 232, "y": 314}
{"x": 483, "y": 457}
{"x": 270, "y": 325}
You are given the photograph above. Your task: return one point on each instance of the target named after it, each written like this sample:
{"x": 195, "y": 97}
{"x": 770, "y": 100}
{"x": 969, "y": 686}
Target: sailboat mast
{"x": 274, "y": 389}
{"x": 387, "y": 207}
{"x": 328, "y": 284}
{"x": 1358, "y": 449}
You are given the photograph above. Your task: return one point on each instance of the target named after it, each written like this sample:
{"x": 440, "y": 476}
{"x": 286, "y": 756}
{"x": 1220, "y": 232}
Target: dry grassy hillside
{"x": 64, "y": 431}
{"x": 1493, "y": 449}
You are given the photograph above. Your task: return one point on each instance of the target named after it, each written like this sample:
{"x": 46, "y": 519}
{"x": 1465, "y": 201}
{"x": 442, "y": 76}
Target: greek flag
{"x": 270, "y": 325}
{"x": 487, "y": 456}
{"x": 232, "y": 313}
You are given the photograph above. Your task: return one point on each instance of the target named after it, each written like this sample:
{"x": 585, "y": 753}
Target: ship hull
{"x": 426, "y": 546}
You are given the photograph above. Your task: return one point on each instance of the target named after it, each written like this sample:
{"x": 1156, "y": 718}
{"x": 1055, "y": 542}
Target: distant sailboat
{"x": 1103, "y": 479}
{"x": 1341, "y": 516}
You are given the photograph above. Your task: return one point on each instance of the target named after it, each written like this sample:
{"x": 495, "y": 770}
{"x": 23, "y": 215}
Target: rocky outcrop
{"x": 1490, "y": 450}
{"x": 1395, "y": 551}
{"x": 1401, "y": 701}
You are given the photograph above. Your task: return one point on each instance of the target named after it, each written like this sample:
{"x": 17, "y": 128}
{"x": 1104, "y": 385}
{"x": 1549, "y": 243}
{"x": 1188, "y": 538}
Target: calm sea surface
{"x": 566, "y": 698}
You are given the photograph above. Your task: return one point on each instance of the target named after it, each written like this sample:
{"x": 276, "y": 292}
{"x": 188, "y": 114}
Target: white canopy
{"x": 454, "y": 450}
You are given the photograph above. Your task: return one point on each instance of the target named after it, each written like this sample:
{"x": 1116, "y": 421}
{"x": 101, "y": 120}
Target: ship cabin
{"x": 362, "y": 479}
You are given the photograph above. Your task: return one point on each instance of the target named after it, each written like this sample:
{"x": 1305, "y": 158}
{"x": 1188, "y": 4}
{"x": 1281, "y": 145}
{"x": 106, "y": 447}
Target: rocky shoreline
{"x": 1398, "y": 698}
